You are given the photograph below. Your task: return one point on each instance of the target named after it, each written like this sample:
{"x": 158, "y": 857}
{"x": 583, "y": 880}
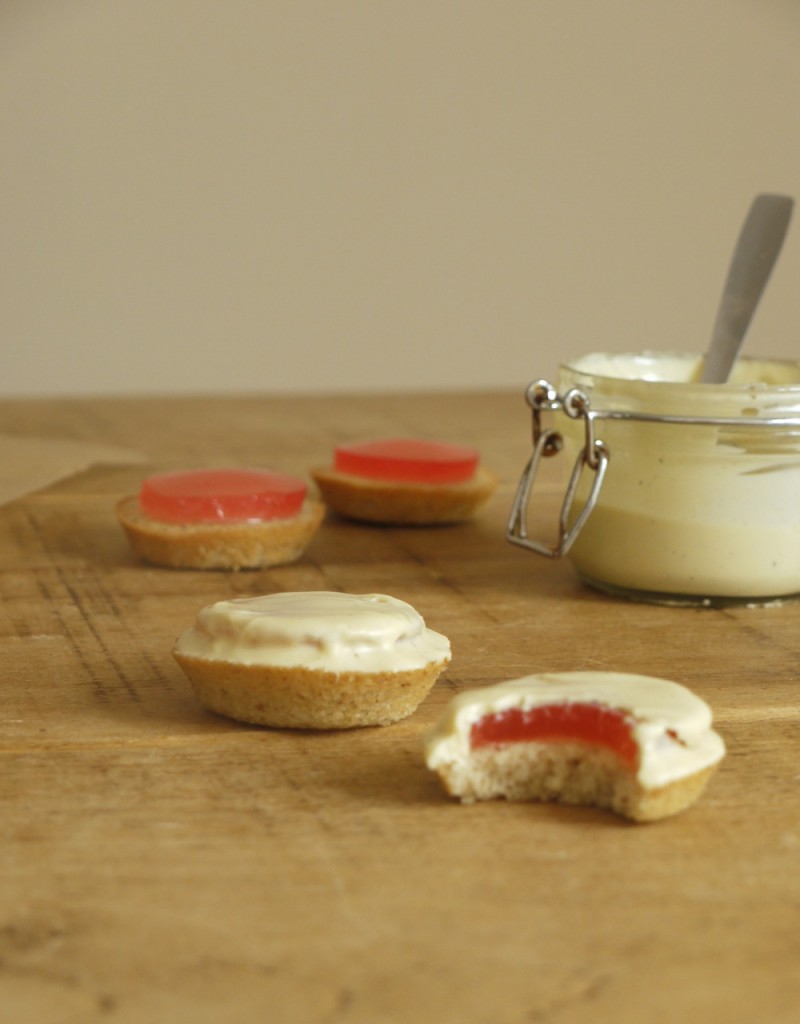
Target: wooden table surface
{"x": 162, "y": 864}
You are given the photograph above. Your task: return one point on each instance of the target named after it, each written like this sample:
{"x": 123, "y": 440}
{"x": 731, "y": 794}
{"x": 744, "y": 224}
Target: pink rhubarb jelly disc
{"x": 405, "y": 459}
{"x": 577, "y": 722}
{"x": 221, "y": 496}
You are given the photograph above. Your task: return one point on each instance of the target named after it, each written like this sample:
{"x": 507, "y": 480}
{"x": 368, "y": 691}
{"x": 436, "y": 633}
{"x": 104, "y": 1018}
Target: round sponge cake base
{"x": 404, "y": 504}
{"x": 568, "y": 773}
{"x": 301, "y": 698}
{"x": 219, "y": 545}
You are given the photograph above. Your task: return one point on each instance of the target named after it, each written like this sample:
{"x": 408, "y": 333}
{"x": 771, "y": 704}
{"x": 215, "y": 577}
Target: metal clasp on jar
{"x": 592, "y": 458}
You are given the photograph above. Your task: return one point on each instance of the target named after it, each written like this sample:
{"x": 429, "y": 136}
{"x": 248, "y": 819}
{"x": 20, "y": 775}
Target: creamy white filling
{"x": 671, "y": 725}
{"x": 322, "y": 630}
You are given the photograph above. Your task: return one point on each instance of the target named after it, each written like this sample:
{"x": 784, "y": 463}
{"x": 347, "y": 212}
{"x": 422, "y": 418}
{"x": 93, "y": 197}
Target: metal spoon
{"x": 757, "y": 249}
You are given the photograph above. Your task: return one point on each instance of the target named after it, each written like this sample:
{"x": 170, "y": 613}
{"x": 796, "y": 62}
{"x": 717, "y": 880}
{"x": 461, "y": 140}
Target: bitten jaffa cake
{"x": 636, "y": 745}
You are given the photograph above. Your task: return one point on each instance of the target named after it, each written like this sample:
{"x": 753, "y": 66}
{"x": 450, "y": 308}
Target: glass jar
{"x": 680, "y": 491}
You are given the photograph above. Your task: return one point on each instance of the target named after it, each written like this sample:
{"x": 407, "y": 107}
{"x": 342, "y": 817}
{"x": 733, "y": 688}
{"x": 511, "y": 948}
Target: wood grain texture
{"x": 161, "y": 863}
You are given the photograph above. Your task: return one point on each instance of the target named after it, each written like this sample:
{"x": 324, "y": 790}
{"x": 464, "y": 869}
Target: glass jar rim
{"x": 648, "y": 368}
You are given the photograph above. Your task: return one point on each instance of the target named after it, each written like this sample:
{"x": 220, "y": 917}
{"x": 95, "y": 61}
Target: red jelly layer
{"x": 406, "y": 459}
{"x": 577, "y": 722}
{"x": 221, "y": 496}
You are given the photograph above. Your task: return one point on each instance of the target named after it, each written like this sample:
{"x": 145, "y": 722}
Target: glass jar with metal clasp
{"x": 679, "y": 491}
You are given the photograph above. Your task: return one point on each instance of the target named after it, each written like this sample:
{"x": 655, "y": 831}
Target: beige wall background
{"x": 253, "y": 195}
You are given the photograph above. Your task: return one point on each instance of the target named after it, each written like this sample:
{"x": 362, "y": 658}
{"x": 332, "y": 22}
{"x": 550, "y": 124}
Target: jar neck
{"x": 667, "y": 385}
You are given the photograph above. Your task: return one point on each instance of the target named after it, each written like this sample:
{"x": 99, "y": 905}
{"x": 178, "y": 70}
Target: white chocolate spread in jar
{"x": 700, "y": 495}
{"x": 324, "y": 630}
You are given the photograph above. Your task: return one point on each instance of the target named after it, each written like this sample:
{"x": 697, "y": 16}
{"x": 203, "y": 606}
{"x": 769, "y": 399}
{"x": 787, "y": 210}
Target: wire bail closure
{"x": 593, "y": 457}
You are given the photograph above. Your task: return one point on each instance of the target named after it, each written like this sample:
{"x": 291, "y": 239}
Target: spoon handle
{"x": 757, "y": 249}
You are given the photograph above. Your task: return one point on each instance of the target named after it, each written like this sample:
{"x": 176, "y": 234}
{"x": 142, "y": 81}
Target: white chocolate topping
{"x": 670, "y": 725}
{"x": 321, "y": 630}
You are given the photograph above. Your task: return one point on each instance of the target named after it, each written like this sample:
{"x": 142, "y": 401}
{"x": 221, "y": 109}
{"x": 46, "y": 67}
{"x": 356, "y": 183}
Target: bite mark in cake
{"x": 637, "y": 745}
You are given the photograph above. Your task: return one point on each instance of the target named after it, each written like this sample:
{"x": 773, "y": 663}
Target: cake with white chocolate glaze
{"x": 636, "y": 745}
{"x": 314, "y": 660}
